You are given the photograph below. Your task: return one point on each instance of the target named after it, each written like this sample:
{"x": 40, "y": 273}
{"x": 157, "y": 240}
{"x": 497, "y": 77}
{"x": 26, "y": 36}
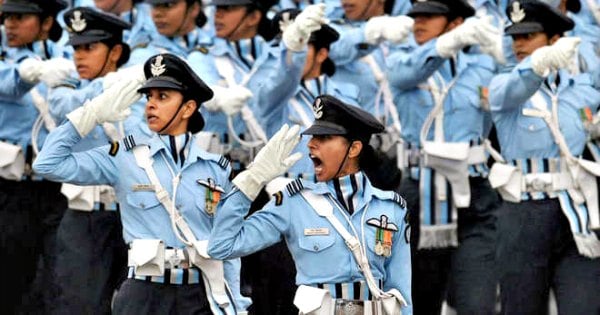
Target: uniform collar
{"x": 195, "y": 152}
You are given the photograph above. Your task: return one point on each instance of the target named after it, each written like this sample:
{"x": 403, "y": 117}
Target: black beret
{"x": 530, "y": 16}
{"x": 52, "y": 7}
{"x": 454, "y": 8}
{"x": 334, "y": 117}
{"x": 168, "y": 71}
{"x": 86, "y": 25}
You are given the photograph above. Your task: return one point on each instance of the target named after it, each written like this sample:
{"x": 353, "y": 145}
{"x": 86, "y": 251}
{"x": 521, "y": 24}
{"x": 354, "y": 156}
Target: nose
{"x": 312, "y": 143}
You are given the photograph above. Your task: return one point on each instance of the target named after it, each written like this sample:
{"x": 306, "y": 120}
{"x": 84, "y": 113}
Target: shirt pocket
{"x": 316, "y": 243}
{"x": 532, "y": 133}
{"x": 142, "y": 200}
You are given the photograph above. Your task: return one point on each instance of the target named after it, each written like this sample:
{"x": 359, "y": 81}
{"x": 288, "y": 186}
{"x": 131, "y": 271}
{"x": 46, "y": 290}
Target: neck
{"x": 244, "y": 34}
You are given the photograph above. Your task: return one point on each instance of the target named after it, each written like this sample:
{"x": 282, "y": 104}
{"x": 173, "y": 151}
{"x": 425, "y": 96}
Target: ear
{"x": 253, "y": 18}
{"x": 46, "y": 24}
{"x": 115, "y": 53}
{"x": 194, "y": 10}
{"x": 454, "y": 23}
{"x": 355, "y": 149}
{"x": 189, "y": 108}
{"x": 321, "y": 55}
{"x": 553, "y": 39}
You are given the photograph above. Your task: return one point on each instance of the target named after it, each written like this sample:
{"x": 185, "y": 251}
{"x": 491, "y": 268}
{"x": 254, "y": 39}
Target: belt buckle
{"x": 538, "y": 184}
{"x": 349, "y": 307}
{"x": 175, "y": 260}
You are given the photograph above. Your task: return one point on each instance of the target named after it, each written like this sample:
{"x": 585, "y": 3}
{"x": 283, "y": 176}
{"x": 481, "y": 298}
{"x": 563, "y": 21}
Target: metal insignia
{"x": 517, "y": 14}
{"x": 318, "y": 108}
{"x": 157, "y": 67}
{"x": 77, "y": 23}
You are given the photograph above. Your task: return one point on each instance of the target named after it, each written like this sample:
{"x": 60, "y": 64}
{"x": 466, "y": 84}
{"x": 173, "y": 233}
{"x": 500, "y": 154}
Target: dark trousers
{"x": 30, "y": 212}
{"x": 536, "y": 252}
{"x": 465, "y": 275}
{"x": 92, "y": 261}
{"x": 142, "y": 297}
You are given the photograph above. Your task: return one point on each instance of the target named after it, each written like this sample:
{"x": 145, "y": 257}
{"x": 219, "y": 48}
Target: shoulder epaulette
{"x": 294, "y": 187}
{"x": 399, "y": 200}
{"x": 338, "y": 21}
{"x": 129, "y": 142}
{"x": 223, "y": 162}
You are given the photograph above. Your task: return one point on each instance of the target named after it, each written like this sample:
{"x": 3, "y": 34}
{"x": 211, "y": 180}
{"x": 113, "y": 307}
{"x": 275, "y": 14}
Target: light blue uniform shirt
{"x": 322, "y": 258}
{"x": 523, "y": 136}
{"x": 17, "y": 112}
{"x": 347, "y": 53}
{"x": 143, "y": 30}
{"x": 272, "y": 76}
{"x": 142, "y": 214}
{"x": 409, "y": 67}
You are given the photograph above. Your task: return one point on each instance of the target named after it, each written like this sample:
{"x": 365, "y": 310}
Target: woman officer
{"x": 544, "y": 225}
{"x": 309, "y": 216}
{"x": 167, "y": 186}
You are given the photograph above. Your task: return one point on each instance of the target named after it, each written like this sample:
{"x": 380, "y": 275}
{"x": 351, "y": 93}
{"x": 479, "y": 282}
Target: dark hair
{"x": 381, "y": 170}
{"x": 56, "y": 30}
{"x": 388, "y": 6}
{"x": 125, "y": 54}
{"x": 328, "y": 67}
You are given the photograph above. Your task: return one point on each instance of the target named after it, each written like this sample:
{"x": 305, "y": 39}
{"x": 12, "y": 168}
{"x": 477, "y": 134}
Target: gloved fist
{"x": 228, "y": 100}
{"x": 295, "y": 36}
{"x": 134, "y": 72}
{"x": 110, "y": 106}
{"x": 52, "y": 72}
{"x": 474, "y": 31}
{"x": 557, "y": 56}
{"x": 56, "y": 70}
{"x": 392, "y": 28}
{"x": 272, "y": 160}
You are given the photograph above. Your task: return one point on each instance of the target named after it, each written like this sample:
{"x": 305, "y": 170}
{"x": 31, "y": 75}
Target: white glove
{"x": 110, "y": 106}
{"x": 392, "y": 28}
{"x": 271, "y": 161}
{"x": 228, "y": 100}
{"x": 557, "y": 56}
{"x": 295, "y": 36}
{"x": 135, "y": 72}
{"x": 52, "y": 72}
{"x": 474, "y": 31}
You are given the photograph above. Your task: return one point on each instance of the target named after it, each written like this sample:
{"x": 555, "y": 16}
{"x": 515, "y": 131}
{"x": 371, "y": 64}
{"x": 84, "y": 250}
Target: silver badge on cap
{"x": 77, "y": 23}
{"x": 517, "y": 14}
{"x": 318, "y": 108}
{"x": 157, "y": 67}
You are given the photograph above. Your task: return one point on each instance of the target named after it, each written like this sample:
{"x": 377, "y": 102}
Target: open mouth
{"x": 151, "y": 118}
{"x": 317, "y": 163}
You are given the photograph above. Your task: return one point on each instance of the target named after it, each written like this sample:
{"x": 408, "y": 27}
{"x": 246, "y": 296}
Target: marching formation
{"x": 300, "y": 157}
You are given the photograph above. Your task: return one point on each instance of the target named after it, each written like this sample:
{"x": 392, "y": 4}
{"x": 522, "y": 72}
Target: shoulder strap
{"x": 324, "y": 208}
{"x": 212, "y": 269}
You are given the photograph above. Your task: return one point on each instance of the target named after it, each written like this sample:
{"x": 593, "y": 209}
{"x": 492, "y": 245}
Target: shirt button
{"x": 316, "y": 247}
{"x": 142, "y": 205}
{"x": 531, "y": 127}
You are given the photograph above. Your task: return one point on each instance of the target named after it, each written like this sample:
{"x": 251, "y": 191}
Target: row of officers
{"x": 175, "y": 157}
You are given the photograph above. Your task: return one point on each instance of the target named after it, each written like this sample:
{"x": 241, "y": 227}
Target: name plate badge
{"x": 142, "y": 187}
{"x": 316, "y": 231}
